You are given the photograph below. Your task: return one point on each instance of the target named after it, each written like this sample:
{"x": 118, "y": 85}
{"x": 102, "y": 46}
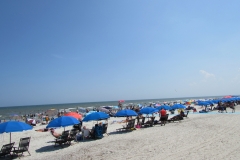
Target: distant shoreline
{"x": 113, "y": 101}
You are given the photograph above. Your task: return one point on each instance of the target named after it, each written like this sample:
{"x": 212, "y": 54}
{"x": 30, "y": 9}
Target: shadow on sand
{"x": 120, "y": 132}
{"x": 52, "y": 148}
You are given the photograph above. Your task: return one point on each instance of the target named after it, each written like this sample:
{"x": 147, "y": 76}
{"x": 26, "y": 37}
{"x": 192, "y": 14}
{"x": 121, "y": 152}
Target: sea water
{"x": 11, "y": 113}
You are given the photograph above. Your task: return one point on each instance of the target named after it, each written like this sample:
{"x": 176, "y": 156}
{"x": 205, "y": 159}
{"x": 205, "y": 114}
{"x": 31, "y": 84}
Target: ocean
{"x": 8, "y": 113}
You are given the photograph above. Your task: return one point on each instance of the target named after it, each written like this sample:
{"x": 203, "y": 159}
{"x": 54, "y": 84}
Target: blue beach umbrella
{"x": 115, "y": 107}
{"x": 215, "y": 101}
{"x": 90, "y": 112}
{"x": 96, "y": 116}
{"x": 203, "y": 103}
{"x": 125, "y": 113}
{"x": 210, "y": 102}
{"x": 63, "y": 121}
{"x": 148, "y": 110}
{"x": 14, "y": 126}
{"x": 165, "y": 107}
{"x": 178, "y": 106}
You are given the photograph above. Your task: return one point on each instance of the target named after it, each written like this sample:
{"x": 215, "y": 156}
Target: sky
{"x": 86, "y": 51}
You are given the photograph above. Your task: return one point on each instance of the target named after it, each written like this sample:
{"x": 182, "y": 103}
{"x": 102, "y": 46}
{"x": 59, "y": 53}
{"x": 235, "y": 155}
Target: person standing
{"x": 163, "y": 116}
{"x": 47, "y": 119}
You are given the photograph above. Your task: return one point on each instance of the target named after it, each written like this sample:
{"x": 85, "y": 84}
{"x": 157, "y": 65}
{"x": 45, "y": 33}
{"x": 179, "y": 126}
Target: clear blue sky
{"x": 83, "y": 51}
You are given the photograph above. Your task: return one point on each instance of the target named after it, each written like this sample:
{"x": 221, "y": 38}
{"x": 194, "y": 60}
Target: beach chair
{"x": 130, "y": 126}
{"x": 175, "y": 118}
{"x": 22, "y": 147}
{"x": 98, "y": 132}
{"x": 72, "y": 135}
{"x": 186, "y": 115}
{"x": 143, "y": 121}
{"x": 63, "y": 139}
{"x": 105, "y": 126}
{"x": 6, "y": 149}
{"x": 150, "y": 123}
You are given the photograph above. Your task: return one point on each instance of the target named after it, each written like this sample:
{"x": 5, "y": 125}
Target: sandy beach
{"x": 199, "y": 136}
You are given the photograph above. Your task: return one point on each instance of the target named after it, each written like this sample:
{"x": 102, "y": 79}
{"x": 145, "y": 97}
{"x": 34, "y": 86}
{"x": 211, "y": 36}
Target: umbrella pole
{"x": 10, "y": 137}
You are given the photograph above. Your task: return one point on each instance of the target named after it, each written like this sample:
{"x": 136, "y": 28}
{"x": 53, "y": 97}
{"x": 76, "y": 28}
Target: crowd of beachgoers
{"x": 48, "y": 115}
{"x": 144, "y": 117}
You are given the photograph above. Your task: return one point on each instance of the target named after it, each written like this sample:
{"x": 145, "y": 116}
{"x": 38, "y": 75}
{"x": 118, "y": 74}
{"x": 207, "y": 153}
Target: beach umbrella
{"x": 103, "y": 110}
{"x": 14, "y": 126}
{"x": 178, "y": 106}
{"x": 96, "y": 117}
{"x": 165, "y": 107}
{"x": 215, "y": 101}
{"x": 227, "y": 96}
{"x": 148, "y": 110}
{"x": 31, "y": 121}
{"x": 115, "y": 107}
{"x": 209, "y": 102}
{"x": 90, "y": 112}
{"x": 203, "y": 103}
{"x": 107, "y": 107}
{"x": 73, "y": 114}
{"x": 63, "y": 121}
{"x": 125, "y": 113}
{"x": 121, "y": 101}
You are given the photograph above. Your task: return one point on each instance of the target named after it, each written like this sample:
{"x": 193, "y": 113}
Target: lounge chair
{"x": 63, "y": 139}
{"x": 149, "y": 123}
{"x": 130, "y": 126}
{"x": 6, "y": 149}
{"x": 175, "y": 118}
{"x": 23, "y": 146}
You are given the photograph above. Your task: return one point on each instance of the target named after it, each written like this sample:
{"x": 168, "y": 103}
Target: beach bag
{"x": 138, "y": 126}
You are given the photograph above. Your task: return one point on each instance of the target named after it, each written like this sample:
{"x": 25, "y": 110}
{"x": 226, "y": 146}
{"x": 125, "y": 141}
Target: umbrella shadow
{"x": 51, "y": 148}
{"x": 119, "y": 132}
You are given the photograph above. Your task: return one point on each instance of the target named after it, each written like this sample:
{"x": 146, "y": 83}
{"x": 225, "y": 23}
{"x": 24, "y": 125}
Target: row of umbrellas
{"x": 227, "y": 99}
{"x": 72, "y": 118}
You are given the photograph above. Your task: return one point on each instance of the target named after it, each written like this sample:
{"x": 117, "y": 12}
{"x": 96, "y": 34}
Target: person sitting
{"x": 54, "y": 133}
{"x": 92, "y": 133}
{"x": 125, "y": 121}
{"x": 85, "y": 132}
{"x": 182, "y": 113}
{"x": 176, "y": 118}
